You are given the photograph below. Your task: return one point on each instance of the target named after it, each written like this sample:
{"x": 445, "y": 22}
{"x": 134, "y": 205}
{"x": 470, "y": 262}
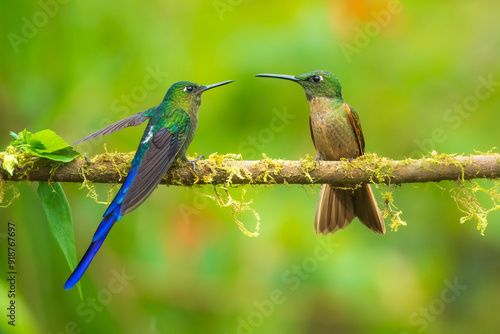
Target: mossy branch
{"x": 231, "y": 169}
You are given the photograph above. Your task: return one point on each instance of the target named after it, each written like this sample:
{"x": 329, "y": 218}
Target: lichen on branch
{"x": 232, "y": 169}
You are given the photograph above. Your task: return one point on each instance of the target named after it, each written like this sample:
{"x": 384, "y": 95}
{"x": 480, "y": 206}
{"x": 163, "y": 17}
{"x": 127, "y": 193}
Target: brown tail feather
{"x": 366, "y": 209}
{"x": 336, "y": 208}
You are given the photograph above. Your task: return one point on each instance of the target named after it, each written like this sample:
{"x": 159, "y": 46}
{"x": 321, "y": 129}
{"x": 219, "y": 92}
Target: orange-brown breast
{"x": 333, "y": 135}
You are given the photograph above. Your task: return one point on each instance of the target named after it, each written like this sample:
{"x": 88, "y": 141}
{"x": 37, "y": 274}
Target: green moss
{"x": 491, "y": 151}
{"x": 5, "y": 186}
{"x": 269, "y": 167}
{"x": 466, "y": 197}
{"x": 53, "y": 167}
{"x": 235, "y": 168}
{"x": 381, "y": 167}
{"x": 214, "y": 160}
{"x": 231, "y": 166}
{"x": 91, "y": 191}
{"x": 390, "y": 210}
{"x": 446, "y": 159}
{"x": 227, "y": 164}
{"x": 308, "y": 164}
{"x": 20, "y": 160}
{"x": 121, "y": 163}
{"x": 237, "y": 207}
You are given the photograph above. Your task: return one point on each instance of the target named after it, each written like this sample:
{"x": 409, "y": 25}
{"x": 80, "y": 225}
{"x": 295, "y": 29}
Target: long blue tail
{"x": 111, "y": 216}
{"x": 84, "y": 263}
{"x": 93, "y": 248}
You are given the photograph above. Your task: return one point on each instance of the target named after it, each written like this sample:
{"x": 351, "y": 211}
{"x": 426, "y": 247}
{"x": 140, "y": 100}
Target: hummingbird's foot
{"x": 193, "y": 162}
{"x": 316, "y": 161}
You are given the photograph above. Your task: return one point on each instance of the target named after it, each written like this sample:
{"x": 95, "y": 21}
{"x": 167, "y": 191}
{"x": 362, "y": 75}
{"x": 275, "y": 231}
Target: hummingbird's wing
{"x": 133, "y": 120}
{"x": 356, "y": 126}
{"x": 365, "y": 204}
{"x": 312, "y": 133}
{"x": 165, "y": 145}
{"x": 155, "y": 154}
{"x": 158, "y": 148}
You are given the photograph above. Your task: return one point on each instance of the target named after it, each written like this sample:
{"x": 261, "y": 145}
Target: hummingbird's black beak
{"x": 216, "y": 85}
{"x": 278, "y": 76}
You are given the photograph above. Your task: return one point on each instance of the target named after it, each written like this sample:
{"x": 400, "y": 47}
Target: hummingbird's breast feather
{"x": 193, "y": 124}
{"x": 333, "y": 135}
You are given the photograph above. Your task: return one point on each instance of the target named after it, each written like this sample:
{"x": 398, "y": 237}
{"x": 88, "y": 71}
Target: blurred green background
{"x": 415, "y": 72}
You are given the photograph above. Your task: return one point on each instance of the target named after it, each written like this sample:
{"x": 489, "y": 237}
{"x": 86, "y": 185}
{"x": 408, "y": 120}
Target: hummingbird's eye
{"x": 316, "y": 78}
{"x": 188, "y": 89}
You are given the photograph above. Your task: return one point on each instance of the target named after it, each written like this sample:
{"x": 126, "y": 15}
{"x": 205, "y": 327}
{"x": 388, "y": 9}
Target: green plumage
{"x": 170, "y": 130}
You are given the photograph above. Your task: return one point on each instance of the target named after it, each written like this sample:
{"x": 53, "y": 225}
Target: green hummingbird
{"x": 169, "y": 132}
{"x": 336, "y": 133}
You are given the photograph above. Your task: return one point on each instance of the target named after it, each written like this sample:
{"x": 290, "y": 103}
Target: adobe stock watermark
{"x": 90, "y": 306}
{"x": 363, "y": 36}
{"x": 292, "y": 278}
{"x": 425, "y": 315}
{"x": 224, "y": 6}
{"x": 127, "y": 103}
{"x": 455, "y": 115}
{"x": 30, "y": 26}
{"x": 254, "y": 145}
{"x": 198, "y": 203}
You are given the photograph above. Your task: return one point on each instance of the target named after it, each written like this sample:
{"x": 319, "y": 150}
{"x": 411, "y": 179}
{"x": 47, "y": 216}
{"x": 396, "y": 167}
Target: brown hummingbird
{"x": 336, "y": 133}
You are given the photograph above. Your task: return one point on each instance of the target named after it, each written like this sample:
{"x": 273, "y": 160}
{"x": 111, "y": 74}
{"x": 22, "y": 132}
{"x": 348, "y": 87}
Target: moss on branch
{"x": 231, "y": 169}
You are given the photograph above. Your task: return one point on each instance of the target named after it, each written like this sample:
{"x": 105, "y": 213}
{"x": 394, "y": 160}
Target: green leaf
{"x": 65, "y": 155}
{"x": 46, "y": 144}
{"x": 13, "y": 134}
{"x": 58, "y": 214}
{"x": 47, "y": 141}
{"x": 22, "y": 139}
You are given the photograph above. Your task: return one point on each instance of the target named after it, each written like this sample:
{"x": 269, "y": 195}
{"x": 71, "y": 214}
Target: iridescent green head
{"x": 187, "y": 95}
{"x": 316, "y": 83}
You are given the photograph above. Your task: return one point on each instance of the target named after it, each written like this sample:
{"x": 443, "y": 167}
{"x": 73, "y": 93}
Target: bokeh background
{"x": 422, "y": 76}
